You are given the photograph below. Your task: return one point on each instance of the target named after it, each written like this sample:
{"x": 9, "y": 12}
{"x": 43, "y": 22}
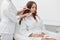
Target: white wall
{"x": 50, "y": 11}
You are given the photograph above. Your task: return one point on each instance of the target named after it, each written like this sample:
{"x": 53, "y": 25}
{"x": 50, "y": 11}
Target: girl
{"x": 31, "y": 26}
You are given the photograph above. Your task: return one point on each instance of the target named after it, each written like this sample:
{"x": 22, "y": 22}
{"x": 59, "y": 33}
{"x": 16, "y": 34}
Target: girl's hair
{"x": 29, "y": 5}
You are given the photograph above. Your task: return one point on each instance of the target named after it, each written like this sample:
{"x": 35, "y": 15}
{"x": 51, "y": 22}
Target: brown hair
{"x": 29, "y": 5}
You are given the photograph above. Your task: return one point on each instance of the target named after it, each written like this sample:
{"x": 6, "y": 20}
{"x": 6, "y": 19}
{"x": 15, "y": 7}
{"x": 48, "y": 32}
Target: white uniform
{"x": 28, "y": 26}
{"x": 8, "y": 20}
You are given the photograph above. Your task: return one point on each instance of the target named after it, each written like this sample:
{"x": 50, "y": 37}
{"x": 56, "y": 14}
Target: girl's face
{"x": 33, "y": 8}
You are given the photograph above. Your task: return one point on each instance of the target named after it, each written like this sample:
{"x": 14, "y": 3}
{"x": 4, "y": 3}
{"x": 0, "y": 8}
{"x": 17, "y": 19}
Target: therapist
{"x": 8, "y": 20}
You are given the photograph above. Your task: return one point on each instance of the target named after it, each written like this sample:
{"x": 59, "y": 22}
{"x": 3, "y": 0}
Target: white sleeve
{"x": 43, "y": 29}
{"x": 30, "y": 38}
{"x": 11, "y": 13}
{"x": 8, "y": 9}
{"x": 21, "y": 37}
{"x": 42, "y": 26}
{"x": 11, "y": 16}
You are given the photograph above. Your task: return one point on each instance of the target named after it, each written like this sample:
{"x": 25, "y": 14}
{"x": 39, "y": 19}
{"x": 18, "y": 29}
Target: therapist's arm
{"x": 11, "y": 15}
{"x": 21, "y": 10}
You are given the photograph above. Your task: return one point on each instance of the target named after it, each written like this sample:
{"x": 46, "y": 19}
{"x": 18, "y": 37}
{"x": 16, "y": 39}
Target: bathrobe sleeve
{"x": 29, "y": 38}
{"x": 42, "y": 26}
{"x": 22, "y": 37}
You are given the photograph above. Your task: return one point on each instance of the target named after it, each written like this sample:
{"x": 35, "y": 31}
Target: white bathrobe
{"x": 28, "y": 26}
{"x": 8, "y": 19}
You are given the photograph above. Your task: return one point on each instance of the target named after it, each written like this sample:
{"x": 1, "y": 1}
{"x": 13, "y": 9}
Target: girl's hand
{"x": 36, "y": 35}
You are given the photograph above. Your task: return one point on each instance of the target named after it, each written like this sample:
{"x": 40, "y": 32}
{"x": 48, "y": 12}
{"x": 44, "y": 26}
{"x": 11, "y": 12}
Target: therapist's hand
{"x": 21, "y": 10}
